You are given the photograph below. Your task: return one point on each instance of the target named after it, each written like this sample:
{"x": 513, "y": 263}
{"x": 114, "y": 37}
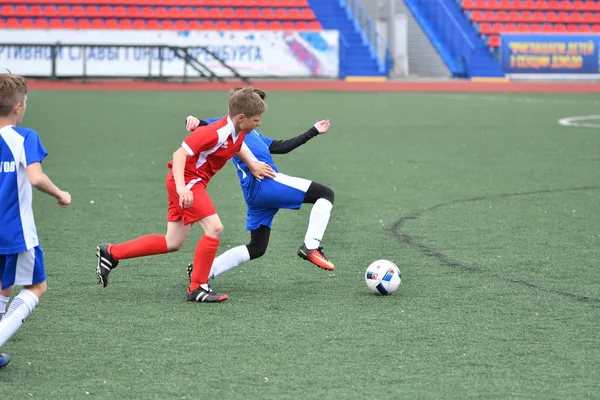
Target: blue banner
{"x": 550, "y": 54}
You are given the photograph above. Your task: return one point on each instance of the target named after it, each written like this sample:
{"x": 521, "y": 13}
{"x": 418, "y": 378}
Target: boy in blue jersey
{"x": 21, "y": 257}
{"x": 265, "y": 198}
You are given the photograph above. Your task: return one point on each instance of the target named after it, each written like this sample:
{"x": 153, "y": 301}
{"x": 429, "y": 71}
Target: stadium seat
{"x": 55, "y": 23}
{"x": 275, "y": 25}
{"x": 7, "y": 11}
{"x": 125, "y": 24}
{"x": 97, "y": 23}
{"x": 69, "y": 23}
{"x": 41, "y": 23}
{"x": 235, "y": 25}
{"x": 27, "y": 23}
{"x": 249, "y": 25}
{"x": 195, "y": 25}
{"x": 153, "y": 24}
{"x": 222, "y": 25}
{"x": 21, "y": 11}
{"x": 50, "y": 11}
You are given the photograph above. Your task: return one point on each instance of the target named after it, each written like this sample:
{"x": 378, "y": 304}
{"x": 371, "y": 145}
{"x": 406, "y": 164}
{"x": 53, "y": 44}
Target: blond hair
{"x": 13, "y": 89}
{"x": 245, "y": 101}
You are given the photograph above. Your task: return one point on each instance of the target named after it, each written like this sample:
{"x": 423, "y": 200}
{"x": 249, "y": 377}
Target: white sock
{"x": 20, "y": 308}
{"x": 317, "y": 223}
{"x": 3, "y": 302}
{"x": 228, "y": 260}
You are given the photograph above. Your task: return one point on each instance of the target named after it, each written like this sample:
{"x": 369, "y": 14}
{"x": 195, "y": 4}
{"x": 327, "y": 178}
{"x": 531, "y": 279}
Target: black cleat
{"x": 106, "y": 263}
{"x": 205, "y": 296}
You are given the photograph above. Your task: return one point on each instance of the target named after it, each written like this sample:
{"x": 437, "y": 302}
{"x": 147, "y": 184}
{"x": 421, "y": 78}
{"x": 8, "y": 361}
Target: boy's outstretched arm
{"x": 41, "y": 182}
{"x": 285, "y": 146}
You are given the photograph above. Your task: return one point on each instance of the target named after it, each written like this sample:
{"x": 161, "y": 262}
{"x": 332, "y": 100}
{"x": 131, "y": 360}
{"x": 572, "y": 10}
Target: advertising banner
{"x": 251, "y": 53}
{"x": 550, "y": 54}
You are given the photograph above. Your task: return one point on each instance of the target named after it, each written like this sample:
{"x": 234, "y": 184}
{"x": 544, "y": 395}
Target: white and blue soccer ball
{"x": 383, "y": 277}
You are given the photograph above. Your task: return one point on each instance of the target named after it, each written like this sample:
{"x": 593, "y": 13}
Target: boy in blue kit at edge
{"x": 265, "y": 198}
{"x": 21, "y": 257}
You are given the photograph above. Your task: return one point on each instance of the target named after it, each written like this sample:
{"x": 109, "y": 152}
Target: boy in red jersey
{"x": 201, "y": 155}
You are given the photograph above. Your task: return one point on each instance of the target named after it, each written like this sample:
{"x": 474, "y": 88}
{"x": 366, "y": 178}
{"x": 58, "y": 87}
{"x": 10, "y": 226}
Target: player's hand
{"x": 186, "y": 197}
{"x": 260, "y": 171}
{"x": 322, "y": 126}
{"x": 191, "y": 123}
{"x": 63, "y": 199}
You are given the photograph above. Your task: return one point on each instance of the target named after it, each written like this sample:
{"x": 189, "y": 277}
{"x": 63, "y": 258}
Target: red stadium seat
{"x": 22, "y": 11}
{"x": 41, "y": 23}
{"x": 249, "y": 25}
{"x": 78, "y": 12}
{"x": 69, "y": 23}
{"x": 494, "y": 41}
{"x": 486, "y": 29}
{"x": 307, "y": 13}
{"x": 37, "y": 11}
{"x": 167, "y": 25}
{"x": 214, "y": 13}
{"x": 315, "y": 26}
{"x": 596, "y": 28}
{"x": 139, "y": 24}
{"x": 275, "y": 25}
{"x": 153, "y": 24}
{"x": 7, "y": 11}
{"x": 27, "y": 23}
{"x": 13, "y": 23}
{"x": 268, "y": 13}
{"x": 254, "y": 13}
{"x": 551, "y": 16}
{"x": 55, "y": 23}
{"x": 241, "y": 13}
{"x": 295, "y": 13}
{"x": 195, "y": 25}
{"x": 111, "y": 23}
{"x": 83, "y": 23}
{"x": 289, "y": 25}
{"x": 208, "y": 25}
{"x": 477, "y": 16}
{"x": 201, "y": 13}
{"x": 585, "y": 28}
{"x": 187, "y": 13}
{"x": 527, "y": 16}
{"x": 235, "y": 25}
{"x": 160, "y": 13}
{"x": 105, "y": 12}
{"x": 134, "y": 12}
{"x": 120, "y": 12}
{"x": 281, "y": 14}
{"x": 535, "y": 28}
{"x": 97, "y": 23}
{"x": 50, "y": 11}
{"x": 92, "y": 12}
{"x": 228, "y": 13}
{"x": 125, "y": 24}
{"x": 181, "y": 25}
{"x": 262, "y": 25}
{"x": 221, "y": 25}
{"x": 147, "y": 12}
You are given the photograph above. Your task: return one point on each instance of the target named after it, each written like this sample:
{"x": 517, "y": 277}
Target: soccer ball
{"x": 383, "y": 277}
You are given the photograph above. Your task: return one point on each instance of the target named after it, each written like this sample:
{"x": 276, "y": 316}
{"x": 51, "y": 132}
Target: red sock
{"x": 143, "y": 246}
{"x": 206, "y": 250}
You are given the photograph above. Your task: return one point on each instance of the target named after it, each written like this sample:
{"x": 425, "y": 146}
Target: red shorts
{"x": 202, "y": 206}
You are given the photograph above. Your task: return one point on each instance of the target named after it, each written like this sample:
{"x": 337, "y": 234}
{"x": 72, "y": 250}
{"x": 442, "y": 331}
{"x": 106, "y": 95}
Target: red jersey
{"x": 209, "y": 147}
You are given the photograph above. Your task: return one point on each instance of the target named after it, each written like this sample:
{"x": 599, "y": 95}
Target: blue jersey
{"x": 19, "y": 147}
{"x": 259, "y": 146}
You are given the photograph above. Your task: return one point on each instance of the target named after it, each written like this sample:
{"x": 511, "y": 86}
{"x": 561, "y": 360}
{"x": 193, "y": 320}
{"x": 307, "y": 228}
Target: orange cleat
{"x": 316, "y": 257}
